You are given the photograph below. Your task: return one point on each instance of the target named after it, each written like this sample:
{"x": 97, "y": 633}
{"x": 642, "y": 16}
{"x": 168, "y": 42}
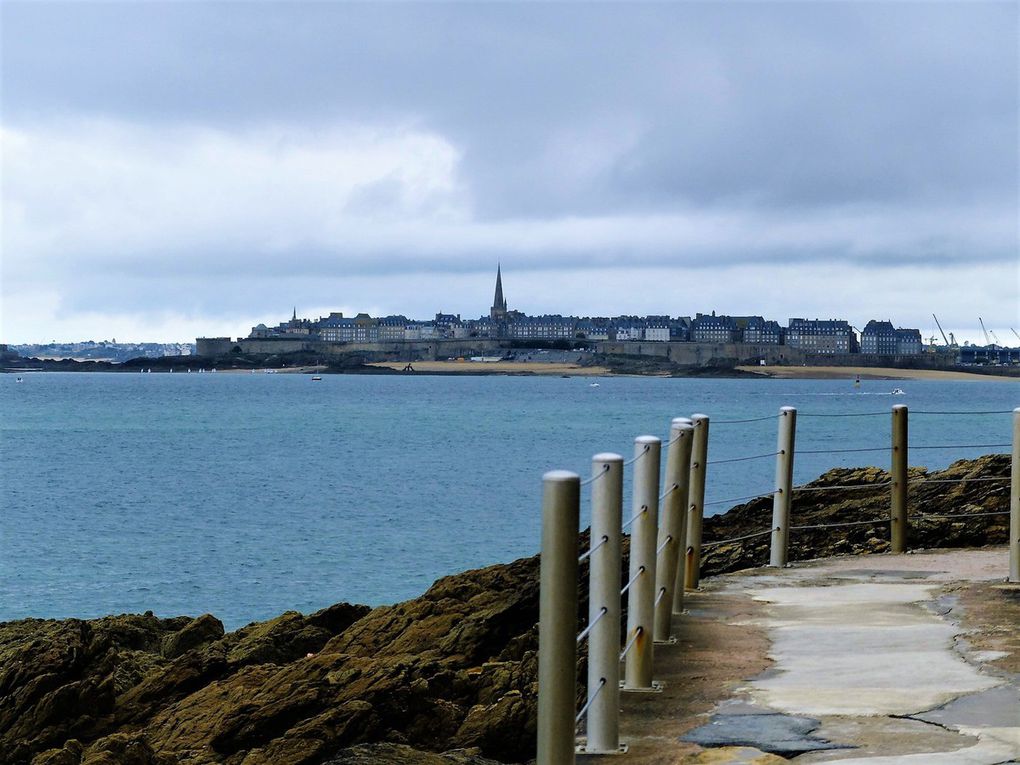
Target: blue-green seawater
{"x": 247, "y": 495}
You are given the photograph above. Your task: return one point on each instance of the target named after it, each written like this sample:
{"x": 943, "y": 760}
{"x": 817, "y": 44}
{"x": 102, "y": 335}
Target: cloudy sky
{"x": 193, "y": 168}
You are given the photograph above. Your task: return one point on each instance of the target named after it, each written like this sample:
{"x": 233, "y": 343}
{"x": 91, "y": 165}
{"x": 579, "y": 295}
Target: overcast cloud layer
{"x": 181, "y": 169}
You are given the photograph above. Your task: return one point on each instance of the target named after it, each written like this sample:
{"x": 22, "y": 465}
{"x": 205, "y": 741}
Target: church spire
{"x": 294, "y": 317}
{"x": 499, "y": 302}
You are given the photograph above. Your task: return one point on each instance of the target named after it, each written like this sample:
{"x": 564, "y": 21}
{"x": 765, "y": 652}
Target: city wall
{"x": 681, "y": 354}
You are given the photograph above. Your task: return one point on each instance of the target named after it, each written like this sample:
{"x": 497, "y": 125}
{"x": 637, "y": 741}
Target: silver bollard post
{"x": 1014, "y": 502}
{"x": 780, "y": 552}
{"x": 557, "y": 617}
{"x": 898, "y": 505}
{"x": 696, "y": 501}
{"x": 603, "y": 730}
{"x": 672, "y": 537}
{"x": 641, "y": 583}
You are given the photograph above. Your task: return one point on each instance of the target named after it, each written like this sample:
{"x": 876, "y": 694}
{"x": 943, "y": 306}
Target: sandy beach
{"x": 871, "y": 373}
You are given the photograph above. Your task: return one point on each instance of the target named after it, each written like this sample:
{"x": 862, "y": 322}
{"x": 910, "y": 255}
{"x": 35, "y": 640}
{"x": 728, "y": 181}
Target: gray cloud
{"x": 205, "y": 142}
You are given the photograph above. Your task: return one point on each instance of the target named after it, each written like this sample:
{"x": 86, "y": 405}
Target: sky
{"x": 183, "y": 169}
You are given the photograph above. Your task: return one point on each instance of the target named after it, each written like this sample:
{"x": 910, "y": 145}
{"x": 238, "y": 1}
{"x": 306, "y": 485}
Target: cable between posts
{"x": 669, "y": 491}
{"x": 587, "y": 554}
{"x": 741, "y": 499}
{"x": 586, "y": 481}
{"x": 662, "y": 591}
{"x": 738, "y": 422}
{"x": 846, "y": 451}
{"x": 588, "y": 703}
{"x": 735, "y": 539}
{"x": 629, "y": 521}
{"x": 745, "y": 459}
{"x": 630, "y": 643}
{"x": 844, "y": 486}
{"x": 638, "y": 575}
{"x": 638, "y": 456}
{"x": 840, "y": 524}
{"x": 665, "y": 544}
{"x": 843, "y": 414}
{"x": 587, "y": 630}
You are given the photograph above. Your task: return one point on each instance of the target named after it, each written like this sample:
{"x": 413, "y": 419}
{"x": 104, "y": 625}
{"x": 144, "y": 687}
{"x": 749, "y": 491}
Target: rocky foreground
{"x": 449, "y": 677}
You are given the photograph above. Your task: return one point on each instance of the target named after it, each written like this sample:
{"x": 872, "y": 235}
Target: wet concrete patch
{"x": 784, "y": 735}
{"x": 995, "y": 708}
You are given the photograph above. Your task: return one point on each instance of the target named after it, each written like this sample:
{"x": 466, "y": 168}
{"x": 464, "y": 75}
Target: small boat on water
{"x": 857, "y": 382}
{"x": 20, "y": 379}
{"x": 593, "y": 385}
{"x": 897, "y": 392}
{"x": 316, "y": 378}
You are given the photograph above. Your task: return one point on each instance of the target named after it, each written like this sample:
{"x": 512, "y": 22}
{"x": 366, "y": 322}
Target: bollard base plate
{"x": 671, "y": 640}
{"x": 582, "y": 743}
{"x": 656, "y": 687}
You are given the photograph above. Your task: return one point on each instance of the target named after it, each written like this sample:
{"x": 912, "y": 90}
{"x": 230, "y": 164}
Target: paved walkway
{"x": 877, "y": 659}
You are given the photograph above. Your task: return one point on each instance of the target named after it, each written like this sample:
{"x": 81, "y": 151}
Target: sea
{"x": 246, "y": 495}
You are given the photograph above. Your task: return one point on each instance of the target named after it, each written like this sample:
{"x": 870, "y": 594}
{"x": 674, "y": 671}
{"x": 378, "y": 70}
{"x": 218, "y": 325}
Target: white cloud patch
{"x": 170, "y": 229}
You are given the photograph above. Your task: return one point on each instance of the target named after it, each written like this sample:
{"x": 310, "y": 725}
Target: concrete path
{"x": 884, "y": 659}
{"x": 868, "y": 646}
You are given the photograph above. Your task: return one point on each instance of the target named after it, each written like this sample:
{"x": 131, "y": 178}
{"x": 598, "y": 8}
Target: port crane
{"x": 988, "y": 340}
{"x": 950, "y": 341}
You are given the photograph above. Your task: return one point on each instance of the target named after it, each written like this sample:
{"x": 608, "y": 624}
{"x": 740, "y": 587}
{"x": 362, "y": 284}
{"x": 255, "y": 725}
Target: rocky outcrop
{"x": 932, "y": 495}
{"x": 449, "y": 677}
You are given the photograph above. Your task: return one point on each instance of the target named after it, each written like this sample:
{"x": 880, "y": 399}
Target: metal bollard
{"x": 641, "y": 592}
{"x": 898, "y": 506}
{"x": 779, "y": 554}
{"x": 696, "y": 501}
{"x": 603, "y": 730}
{"x": 1014, "y": 502}
{"x": 672, "y": 536}
{"x": 557, "y": 617}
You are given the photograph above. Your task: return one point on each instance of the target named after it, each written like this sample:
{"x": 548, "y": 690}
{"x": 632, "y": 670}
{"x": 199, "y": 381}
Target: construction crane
{"x": 995, "y": 338}
{"x": 1014, "y": 332}
{"x": 943, "y": 332}
{"x": 988, "y": 340}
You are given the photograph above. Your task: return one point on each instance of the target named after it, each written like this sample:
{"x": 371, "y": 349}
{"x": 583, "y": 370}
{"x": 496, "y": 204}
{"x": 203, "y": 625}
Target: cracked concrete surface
{"x": 911, "y": 659}
{"x": 869, "y": 647}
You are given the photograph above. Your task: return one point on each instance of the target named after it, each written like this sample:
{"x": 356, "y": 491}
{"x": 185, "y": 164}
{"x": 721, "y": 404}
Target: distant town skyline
{"x": 174, "y": 170}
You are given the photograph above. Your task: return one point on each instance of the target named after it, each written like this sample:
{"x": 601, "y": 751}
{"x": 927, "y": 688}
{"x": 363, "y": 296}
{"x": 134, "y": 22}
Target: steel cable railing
{"x": 588, "y": 703}
{"x": 651, "y": 556}
{"x": 591, "y": 625}
{"x": 741, "y": 499}
{"x": 718, "y": 542}
{"x": 638, "y": 514}
{"x": 739, "y": 422}
{"x": 845, "y": 451}
{"x": 585, "y": 555}
{"x": 744, "y": 459}
{"x": 850, "y": 486}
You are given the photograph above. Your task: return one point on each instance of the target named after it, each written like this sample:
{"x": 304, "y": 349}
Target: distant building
{"x": 762, "y": 331}
{"x": 828, "y": 336}
{"x": 879, "y": 337}
{"x": 547, "y": 327}
{"x": 714, "y": 329}
{"x": 908, "y": 342}
{"x": 594, "y": 328}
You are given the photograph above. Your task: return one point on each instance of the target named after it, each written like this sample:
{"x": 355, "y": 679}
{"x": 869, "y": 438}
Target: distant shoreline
{"x": 610, "y": 367}
{"x": 872, "y": 373}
